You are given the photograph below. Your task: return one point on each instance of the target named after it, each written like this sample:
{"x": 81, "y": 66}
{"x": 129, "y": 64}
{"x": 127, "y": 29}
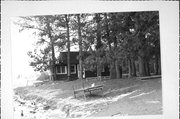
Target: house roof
{"x": 73, "y": 57}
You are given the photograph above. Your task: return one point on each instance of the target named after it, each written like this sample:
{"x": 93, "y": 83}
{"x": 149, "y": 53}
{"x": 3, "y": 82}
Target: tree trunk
{"x": 120, "y": 71}
{"x": 133, "y": 67}
{"x": 117, "y": 69}
{"x": 53, "y": 54}
{"x": 99, "y": 70}
{"x": 98, "y": 33}
{"x": 112, "y": 64}
{"x": 154, "y": 67}
{"x": 54, "y": 63}
{"x": 146, "y": 67}
{"x": 130, "y": 67}
{"x": 141, "y": 66}
{"x": 157, "y": 65}
{"x": 107, "y": 31}
{"x": 99, "y": 44}
{"x": 112, "y": 70}
{"x": 68, "y": 47}
{"x": 159, "y": 69}
{"x": 80, "y": 48}
{"x": 52, "y": 70}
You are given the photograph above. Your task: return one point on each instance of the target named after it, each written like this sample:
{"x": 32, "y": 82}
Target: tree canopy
{"x": 121, "y": 41}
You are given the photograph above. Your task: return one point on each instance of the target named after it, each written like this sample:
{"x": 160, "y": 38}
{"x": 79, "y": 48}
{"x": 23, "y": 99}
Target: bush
{"x": 44, "y": 76}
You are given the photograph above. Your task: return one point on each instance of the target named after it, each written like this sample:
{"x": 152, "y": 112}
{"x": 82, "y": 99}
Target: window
{"x": 61, "y": 70}
{"x": 73, "y": 69}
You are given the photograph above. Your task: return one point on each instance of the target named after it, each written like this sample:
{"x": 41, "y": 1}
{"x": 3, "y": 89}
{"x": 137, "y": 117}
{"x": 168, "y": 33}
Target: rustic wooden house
{"x": 61, "y": 67}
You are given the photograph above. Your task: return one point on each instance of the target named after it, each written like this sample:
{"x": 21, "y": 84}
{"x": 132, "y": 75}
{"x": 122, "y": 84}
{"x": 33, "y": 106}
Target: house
{"x": 61, "y": 67}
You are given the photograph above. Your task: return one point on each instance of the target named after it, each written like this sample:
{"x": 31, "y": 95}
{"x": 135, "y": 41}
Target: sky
{"x": 21, "y": 42}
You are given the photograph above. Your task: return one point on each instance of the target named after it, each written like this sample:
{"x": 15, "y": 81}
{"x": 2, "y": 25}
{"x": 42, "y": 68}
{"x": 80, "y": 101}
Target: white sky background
{"x": 22, "y": 42}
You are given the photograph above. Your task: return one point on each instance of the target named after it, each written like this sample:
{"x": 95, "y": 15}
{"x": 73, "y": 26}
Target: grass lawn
{"x": 119, "y": 97}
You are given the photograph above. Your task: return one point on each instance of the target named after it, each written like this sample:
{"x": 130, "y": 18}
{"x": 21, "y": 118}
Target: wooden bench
{"x": 94, "y": 88}
{"x": 88, "y": 89}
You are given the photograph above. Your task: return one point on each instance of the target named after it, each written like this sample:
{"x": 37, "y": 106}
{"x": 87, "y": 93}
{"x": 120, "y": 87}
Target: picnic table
{"x": 89, "y": 89}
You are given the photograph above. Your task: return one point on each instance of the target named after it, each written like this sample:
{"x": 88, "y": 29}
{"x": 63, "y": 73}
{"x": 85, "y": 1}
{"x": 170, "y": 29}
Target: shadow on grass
{"x": 95, "y": 96}
{"x": 116, "y": 92}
